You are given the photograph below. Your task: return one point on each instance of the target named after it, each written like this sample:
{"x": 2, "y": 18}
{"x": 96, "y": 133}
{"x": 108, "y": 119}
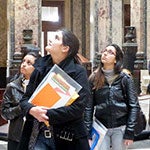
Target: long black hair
{"x": 98, "y": 78}
{"x": 71, "y": 40}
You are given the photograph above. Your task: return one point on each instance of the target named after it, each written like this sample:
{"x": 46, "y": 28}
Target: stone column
{"x": 117, "y": 22}
{"x": 94, "y": 32}
{"x": 148, "y": 31}
{"x": 110, "y": 23}
{"x": 130, "y": 49}
{"x": 80, "y": 24}
{"x": 106, "y": 24}
{"x": 22, "y": 15}
{"x": 138, "y": 20}
{"x": 3, "y": 42}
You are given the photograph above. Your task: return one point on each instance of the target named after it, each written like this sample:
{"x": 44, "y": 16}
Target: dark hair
{"x": 70, "y": 39}
{"x": 98, "y": 77}
{"x": 34, "y": 54}
{"x": 119, "y": 58}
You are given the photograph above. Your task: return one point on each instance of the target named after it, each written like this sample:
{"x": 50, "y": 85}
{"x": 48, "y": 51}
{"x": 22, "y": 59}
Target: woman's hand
{"x": 128, "y": 142}
{"x": 39, "y": 113}
{"x": 90, "y": 142}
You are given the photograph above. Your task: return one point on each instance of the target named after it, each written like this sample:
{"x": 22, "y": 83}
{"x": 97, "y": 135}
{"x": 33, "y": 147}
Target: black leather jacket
{"x": 11, "y": 109}
{"x": 115, "y": 105}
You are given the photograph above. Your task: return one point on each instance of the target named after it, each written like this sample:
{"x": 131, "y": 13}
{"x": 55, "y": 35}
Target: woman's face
{"x": 108, "y": 56}
{"x": 55, "y": 44}
{"x": 27, "y": 66}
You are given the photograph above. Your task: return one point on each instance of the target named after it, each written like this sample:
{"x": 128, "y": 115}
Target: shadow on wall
{"x": 2, "y": 89}
{"x": 2, "y": 77}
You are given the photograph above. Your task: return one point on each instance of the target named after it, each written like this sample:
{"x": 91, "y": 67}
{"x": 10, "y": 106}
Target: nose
{"x": 51, "y": 38}
{"x": 105, "y": 52}
{"x": 23, "y": 64}
{"x": 50, "y": 41}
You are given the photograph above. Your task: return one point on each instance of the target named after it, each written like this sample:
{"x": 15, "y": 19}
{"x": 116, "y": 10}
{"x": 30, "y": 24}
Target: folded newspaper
{"x": 98, "y": 133}
{"x": 56, "y": 89}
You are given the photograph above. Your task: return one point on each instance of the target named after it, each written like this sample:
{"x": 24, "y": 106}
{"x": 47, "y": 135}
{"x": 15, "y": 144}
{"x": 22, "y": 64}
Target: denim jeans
{"x": 113, "y": 139}
{"x": 43, "y": 143}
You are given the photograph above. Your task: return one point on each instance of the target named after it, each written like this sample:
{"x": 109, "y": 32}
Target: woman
{"x": 10, "y": 105}
{"x": 115, "y": 108}
{"x": 67, "y": 129}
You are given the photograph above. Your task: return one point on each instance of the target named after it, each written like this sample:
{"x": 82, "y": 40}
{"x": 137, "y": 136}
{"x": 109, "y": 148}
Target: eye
{"x": 56, "y": 37}
{"x": 29, "y": 63}
{"x": 104, "y": 50}
{"x": 23, "y": 61}
{"x": 111, "y": 52}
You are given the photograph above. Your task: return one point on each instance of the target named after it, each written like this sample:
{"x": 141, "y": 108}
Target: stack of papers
{"x": 98, "y": 134}
{"x": 56, "y": 89}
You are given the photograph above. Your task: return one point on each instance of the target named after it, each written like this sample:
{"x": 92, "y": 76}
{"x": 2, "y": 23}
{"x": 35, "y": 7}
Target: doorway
{"x": 52, "y": 20}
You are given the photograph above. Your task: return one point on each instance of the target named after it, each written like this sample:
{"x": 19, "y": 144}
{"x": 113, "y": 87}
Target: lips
{"x": 104, "y": 58}
{"x": 22, "y": 70}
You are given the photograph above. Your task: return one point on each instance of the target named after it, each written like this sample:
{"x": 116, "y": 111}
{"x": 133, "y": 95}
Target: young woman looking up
{"x": 67, "y": 128}
{"x": 115, "y": 107}
{"x": 10, "y": 105}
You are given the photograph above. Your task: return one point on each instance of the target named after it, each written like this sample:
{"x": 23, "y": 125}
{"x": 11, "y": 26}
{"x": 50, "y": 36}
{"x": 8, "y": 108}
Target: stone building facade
{"x": 95, "y": 22}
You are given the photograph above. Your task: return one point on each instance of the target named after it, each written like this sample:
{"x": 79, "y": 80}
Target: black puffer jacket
{"x": 11, "y": 109}
{"x": 115, "y": 105}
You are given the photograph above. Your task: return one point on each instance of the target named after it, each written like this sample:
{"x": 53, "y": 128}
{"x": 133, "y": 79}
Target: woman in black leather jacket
{"x": 10, "y": 105}
{"x": 67, "y": 130}
{"x": 115, "y": 107}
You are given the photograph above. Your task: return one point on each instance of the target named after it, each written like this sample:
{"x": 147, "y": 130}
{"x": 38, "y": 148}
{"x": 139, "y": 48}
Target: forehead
{"x": 111, "y": 48}
{"x": 29, "y": 57}
{"x": 59, "y": 33}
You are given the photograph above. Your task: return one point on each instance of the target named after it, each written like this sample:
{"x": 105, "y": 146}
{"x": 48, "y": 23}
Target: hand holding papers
{"x": 56, "y": 89}
{"x": 98, "y": 133}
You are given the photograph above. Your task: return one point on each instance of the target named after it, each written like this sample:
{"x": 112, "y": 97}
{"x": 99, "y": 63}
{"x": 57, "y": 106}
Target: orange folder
{"x": 46, "y": 97}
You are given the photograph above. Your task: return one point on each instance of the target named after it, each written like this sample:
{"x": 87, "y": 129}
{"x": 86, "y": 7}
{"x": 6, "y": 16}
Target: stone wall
{"x": 3, "y": 33}
{"x": 27, "y": 17}
{"x": 80, "y": 25}
{"x": 148, "y": 31}
{"x": 110, "y": 23}
{"x": 141, "y": 20}
{"x": 106, "y": 24}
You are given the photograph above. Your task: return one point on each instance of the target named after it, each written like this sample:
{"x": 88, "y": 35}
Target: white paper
{"x": 53, "y": 77}
{"x": 98, "y": 133}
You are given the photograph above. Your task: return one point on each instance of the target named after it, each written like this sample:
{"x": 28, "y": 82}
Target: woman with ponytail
{"x": 68, "y": 128}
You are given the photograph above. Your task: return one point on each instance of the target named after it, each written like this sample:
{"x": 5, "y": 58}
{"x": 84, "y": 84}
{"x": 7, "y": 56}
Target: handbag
{"x": 141, "y": 123}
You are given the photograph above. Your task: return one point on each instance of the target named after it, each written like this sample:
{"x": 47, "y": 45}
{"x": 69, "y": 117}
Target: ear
{"x": 65, "y": 48}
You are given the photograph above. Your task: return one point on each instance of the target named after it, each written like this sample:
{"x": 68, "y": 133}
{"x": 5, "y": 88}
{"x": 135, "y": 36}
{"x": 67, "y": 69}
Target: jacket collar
{"x": 17, "y": 83}
{"x": 45, "y": 64}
